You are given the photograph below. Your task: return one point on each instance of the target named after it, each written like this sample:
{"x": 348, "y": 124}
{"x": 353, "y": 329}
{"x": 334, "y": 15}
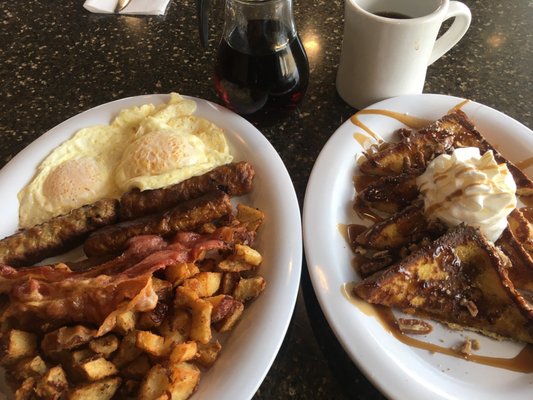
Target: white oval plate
{"x": 251, "y": 347}
{"x": 398, "y": 370}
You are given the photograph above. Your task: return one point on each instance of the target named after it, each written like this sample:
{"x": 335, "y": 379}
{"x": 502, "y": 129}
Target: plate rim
{"x": 394, "y": 387}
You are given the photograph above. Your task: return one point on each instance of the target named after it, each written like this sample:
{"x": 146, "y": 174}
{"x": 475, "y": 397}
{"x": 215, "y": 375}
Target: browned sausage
{"x": 57, "y": 235}
{"x": 188, "y": 215}
{"x": 65, "y": 232}
{"x": 235, "y": 179}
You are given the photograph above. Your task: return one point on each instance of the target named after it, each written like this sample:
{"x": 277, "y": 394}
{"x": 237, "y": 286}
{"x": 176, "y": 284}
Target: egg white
{"x": 77, "y": 172}
{"x": 144, "y": 147}
{"x": 170, "y": 153}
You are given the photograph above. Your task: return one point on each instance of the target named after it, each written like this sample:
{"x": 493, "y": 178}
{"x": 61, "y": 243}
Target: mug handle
{"x": 460, "y": 25}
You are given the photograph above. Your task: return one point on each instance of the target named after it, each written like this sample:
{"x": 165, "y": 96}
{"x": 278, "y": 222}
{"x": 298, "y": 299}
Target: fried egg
{"x": 144, "y": 147}
{"x": 78, "y": 172}
{"x": 168, "y": 153}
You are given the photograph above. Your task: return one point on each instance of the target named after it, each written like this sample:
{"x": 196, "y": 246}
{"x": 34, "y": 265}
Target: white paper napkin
{"x": 144, "y": 7}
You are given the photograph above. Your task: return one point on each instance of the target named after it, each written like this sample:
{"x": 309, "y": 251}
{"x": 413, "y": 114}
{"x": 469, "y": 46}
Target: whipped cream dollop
{"x": 466, "y": 187}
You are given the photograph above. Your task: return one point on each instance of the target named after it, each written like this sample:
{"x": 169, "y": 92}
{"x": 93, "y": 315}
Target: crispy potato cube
{"x": 96, "y": 368}
{"x": 229, "y": 282}
{"x": 162, "y": 288}
{"x": 52, "y": 384}
{"x": 151, "y": 319}
{"x": 184, "y": 379}
{"x": 204, "y": 283}
{"x": 218, "y": 304}
{"x": 176, "y": 328}
{"x": 247, "y": 213}
{"x": 223, "y": 306}
{"x": 26, "y": 390}
{"x": 125, "y": 322}
{"x": 249, "y": 288}
{"x": 230, "y": 265}
{"x": 180, "y": 320}
{"x": 104, "y": 389}
{"x": 127, "y": 350}
{"x": 176, "y": 382}
{"x": 251, "y": 216}
{"x": 29, "y": 367}
{"x": 16, "y": 344}
{"x": 105, "y": 345}
{"x": 171, "y": 335}
{"x": 66, "y": 338}
{"x": 155, "y": 384}
{"x": 209, "y": 283}
{"x": 231, "y": 318}
{"x": 72, "y": 361}
{"x": 183, "y": 352}
{"x": 151, "y": 343}
{"x": 184, "y": 296}
{"x": 247, "y": 254}
{"x": 201, "y": 321}
{"x": 208, "y": 353}
{"x": 136, "y": 369}
{"x": 177, "y": 273}
{"x": 76, "y": 357}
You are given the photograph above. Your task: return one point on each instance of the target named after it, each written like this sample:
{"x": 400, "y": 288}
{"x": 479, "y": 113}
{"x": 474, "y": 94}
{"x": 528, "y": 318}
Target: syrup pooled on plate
{"x": 379, "y": 185}
{"x": 522, "y": 362}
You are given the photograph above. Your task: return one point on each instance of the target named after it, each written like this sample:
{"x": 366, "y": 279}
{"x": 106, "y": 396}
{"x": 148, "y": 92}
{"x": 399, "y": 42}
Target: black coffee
{"x": 392, "y": 14}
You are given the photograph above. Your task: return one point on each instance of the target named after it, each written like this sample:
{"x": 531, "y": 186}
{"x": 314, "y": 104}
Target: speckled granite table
{"x": 58, "y": 60}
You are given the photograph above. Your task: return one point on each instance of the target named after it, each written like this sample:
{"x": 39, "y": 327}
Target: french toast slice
{"x": 416, "y": 150}
{"x": 516, "y": 242}
{"x": 460, "y": 279}
{"x": 404, "y": 227}
{"x": 521, "y": 224}
{"x": 391, "y": 239}
{"x": 521, "y": 272}
{"x": 389, "y": 194}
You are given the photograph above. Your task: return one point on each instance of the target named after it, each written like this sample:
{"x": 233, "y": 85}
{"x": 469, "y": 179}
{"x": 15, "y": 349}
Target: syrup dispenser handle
{"x": 202, "y": 13}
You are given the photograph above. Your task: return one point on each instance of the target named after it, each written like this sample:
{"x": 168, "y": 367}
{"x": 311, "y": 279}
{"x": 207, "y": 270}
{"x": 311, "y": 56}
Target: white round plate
{"x": 251, "y": 347}
{"x": 398, "y": 370}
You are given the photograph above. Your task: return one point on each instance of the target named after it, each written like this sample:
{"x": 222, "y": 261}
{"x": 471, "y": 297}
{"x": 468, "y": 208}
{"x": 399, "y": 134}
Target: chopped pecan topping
{"x": 471, "y": 307}
{"x": 467, "y": 346}
{"x": 414, "y": 326}
{"x": 381, "y": 254}
{"x": 360, "y": 250}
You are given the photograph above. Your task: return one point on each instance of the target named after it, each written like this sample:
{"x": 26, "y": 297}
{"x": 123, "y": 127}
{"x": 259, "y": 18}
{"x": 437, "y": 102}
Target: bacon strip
{"x": 138, "y": 248}
{"x": 90, "y": 299}
{"x": 98, "y": 295}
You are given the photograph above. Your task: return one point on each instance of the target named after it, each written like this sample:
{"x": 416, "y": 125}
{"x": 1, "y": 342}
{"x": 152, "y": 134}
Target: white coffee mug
{"x": 387, "y": 56}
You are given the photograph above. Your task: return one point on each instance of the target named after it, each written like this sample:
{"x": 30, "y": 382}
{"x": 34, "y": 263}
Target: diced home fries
{"x": 156, "y": 354}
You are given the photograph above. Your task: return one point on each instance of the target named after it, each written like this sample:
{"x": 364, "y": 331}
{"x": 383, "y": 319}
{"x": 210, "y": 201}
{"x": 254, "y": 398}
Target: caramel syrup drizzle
{"x": 522, "y": 362}
{"x": 458, "y": 106}
{"x": 407, "y": 120}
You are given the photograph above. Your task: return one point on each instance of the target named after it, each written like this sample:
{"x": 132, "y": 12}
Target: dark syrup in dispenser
{"x": 262, "y": 66}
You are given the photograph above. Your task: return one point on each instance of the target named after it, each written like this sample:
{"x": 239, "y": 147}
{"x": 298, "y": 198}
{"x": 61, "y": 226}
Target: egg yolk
{"x": 74, "y": 183}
